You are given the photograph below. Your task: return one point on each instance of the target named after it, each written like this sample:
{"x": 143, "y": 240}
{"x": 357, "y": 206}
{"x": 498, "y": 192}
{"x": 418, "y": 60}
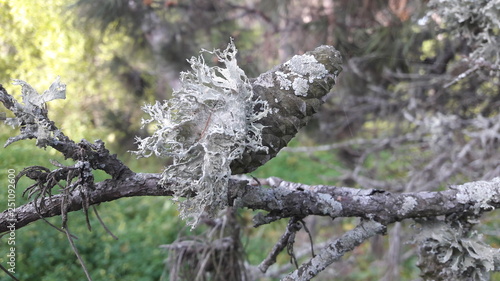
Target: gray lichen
{"x": 459, "y": 256}
{"x": 480, "y": 192}
{"x": 207, "y": 124}
{"x": 307, "y": 65}
{"x": 299, "y": 72}
{"x": 283, "y": 80}
{"x": 31, "y": 113}
{"x": 328, "y": 204}
{"x": 221, "y": 123}
{"x": 408, "y": 204}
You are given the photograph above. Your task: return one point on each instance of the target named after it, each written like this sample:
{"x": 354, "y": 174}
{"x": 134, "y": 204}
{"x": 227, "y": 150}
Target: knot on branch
{"x": 68, "y": 178}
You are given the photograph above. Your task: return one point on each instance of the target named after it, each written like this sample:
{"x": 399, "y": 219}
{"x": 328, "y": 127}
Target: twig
{"x": 103, "y": 224}
{"x": 336, "y": 249}
{"x": 284, "y": 241}
{"x": 462, "y": 76}
{"x": 369, "y": 142}
{"x": 75, "y": 250}
{"x": 8, "y": 273}
{"x": 98, "y": 156}
{"x": 478, "y": 64}
{"x": 310, "y": 237}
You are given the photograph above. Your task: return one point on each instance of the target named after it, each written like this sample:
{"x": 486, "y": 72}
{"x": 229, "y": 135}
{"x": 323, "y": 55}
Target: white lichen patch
{"x": 31, "y": 98}
{"x": 307, "y": 66}
{"x": 300, "y": 86}
{"x": 283, "y": 80}
{"x": 408, "y": 204}
{"x": 328, "y": 204}
{"x": 207, "y": 124}
{"x": 33, "y": 124}
{"x": 265, "y": 80}
{"x": 299, "y": 72}
{"x": 480, "y": 192}
{"x": 296, "y": 74}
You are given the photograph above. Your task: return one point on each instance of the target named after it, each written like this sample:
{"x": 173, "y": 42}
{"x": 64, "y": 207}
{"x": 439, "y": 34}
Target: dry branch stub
{"x": 294, "y": 91}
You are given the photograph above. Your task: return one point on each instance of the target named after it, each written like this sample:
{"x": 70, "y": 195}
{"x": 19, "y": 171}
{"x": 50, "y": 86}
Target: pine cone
{"x": 294, "y": 91}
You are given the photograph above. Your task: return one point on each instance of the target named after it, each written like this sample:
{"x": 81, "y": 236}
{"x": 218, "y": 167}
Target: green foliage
{"x": 40, "y": 43}
{"x": 44, "y": 252}
{"x": 315, "y": 168}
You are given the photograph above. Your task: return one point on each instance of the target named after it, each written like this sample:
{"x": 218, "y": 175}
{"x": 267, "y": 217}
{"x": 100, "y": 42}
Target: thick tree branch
{"x": 108, "y": 190}
{"x": 286, "y": 199}
{"x": 382, "y": 206}
{"x": 280, "y": 102}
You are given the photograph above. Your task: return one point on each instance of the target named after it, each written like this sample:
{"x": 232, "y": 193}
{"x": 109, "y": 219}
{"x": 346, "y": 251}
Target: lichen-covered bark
{"x": 294, "y": 91}
{"x": 209, "y": 122}
{"x": 32, "y": 117}
{"x": 220, "y": 123}
{"x": 453, "y": 252}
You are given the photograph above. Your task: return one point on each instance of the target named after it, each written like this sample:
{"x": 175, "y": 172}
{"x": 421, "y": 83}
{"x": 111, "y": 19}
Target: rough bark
{"x": 286, "y": 199}
{"x": 290, "y": 110}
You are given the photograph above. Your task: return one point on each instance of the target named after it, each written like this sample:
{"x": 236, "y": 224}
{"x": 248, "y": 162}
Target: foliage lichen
{"x": 207, "y": 124}
{"x": 463, "y": 253}
{"x": 476, "y": 21}
{"x": 31, "y": 112}
{"x": 408, "y": 204}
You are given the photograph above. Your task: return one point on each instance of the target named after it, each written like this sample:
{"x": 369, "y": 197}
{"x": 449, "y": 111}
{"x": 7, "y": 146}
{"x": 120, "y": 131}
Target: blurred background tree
{"x": 399, "y": 119}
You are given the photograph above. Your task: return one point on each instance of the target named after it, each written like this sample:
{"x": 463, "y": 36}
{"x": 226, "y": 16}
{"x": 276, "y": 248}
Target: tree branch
{"x": 288, "y": 199}
{"x": 336, "y": 249}
{"x": 284, "y": 241}
{"x": 33, "y": 119}
{"x": 275, "y": 106}
{"x": 108, "y": 190}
